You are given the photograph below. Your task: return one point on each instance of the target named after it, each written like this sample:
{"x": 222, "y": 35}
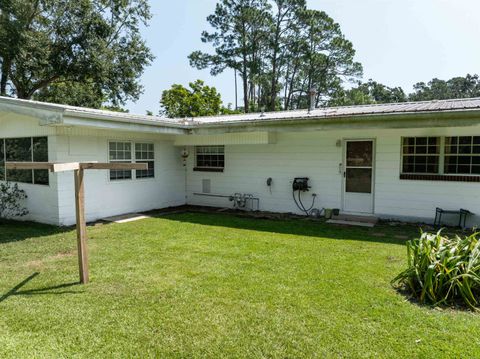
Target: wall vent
{"x": 206, "y": 186}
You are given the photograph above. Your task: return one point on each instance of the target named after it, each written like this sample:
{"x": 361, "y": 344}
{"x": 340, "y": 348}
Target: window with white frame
{"x": 421, "y": 154}
{"x": 462, "y": 155}
{"x": 144, "y": 153}
{"x": 210, "y": 157}
{"x": 120, "y": 152}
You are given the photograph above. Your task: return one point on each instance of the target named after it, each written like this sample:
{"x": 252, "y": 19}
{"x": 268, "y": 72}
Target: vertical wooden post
{"x": 81, "y": 226}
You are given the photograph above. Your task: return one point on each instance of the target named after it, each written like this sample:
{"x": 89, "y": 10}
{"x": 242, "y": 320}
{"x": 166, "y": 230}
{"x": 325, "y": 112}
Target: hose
{"x": 300, "y": 204}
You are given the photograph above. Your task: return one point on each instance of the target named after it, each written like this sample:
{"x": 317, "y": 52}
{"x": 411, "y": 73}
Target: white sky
{"x": 399, "y": 42}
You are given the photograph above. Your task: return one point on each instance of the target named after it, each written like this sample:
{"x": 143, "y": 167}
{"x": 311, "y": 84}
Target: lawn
{"x": 212, "y": 285}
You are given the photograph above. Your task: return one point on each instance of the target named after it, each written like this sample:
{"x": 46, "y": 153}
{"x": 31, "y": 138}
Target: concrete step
{"x": 356, "y": 218}
{"x": 351, "y": 223}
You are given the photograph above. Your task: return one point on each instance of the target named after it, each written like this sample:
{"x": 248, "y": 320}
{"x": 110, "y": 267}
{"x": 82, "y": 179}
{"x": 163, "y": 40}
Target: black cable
{"x": 313, "y": 203}
{"x": 301, "y": 203}
{"x": 295, "y": 200}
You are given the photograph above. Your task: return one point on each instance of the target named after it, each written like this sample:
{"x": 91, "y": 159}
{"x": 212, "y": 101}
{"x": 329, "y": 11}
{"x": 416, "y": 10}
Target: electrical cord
{"x": 300, "y": 204}
{"x": 303, "y": 206}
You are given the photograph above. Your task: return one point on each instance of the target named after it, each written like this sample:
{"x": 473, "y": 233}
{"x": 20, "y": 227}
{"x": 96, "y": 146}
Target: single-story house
{"x": 395, "y": 161}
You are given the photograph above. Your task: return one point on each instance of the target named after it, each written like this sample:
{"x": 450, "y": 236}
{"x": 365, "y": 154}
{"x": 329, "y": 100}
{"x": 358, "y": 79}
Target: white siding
{"x": 315, "y": 155}
{"x": 42, "y": 201}
{"x": 301, "y": 154}
{"x": 105, "y": 198}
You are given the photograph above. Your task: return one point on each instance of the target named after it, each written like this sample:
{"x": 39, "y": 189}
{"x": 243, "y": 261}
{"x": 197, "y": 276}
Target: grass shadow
{"x": 458, "y": 306}
{"x": 382, "y": 233}
{"x": 18, "y": 286}
{"x": 52, "y": 290}
{"x": 14, "y": 231}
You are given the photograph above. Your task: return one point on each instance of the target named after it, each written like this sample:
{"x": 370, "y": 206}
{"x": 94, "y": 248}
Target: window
{"x": 120, "y": 152}
{"x": 462, "y": 155}
{"x": 420, "y": 154}
{"x": 451, "y": 158}
{"x": 210, "y": 158}
{"x": 144, "y": 153}
{"x": 25, "y": 149}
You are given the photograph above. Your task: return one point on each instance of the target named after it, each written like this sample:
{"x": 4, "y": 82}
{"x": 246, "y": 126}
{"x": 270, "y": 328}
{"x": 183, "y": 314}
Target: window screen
{"x": 120, "y": 152}
{"x": 462, "y": 155}
{"x": 210, "y": 156}
{"x": 144, "y": 153}
{"x": 24, "y": 149}
{"x": 420, "y": 154}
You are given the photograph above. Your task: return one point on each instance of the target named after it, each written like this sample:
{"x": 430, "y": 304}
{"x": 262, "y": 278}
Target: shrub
{"x": 10, "y": 200}
{"x": 442, "y": 270}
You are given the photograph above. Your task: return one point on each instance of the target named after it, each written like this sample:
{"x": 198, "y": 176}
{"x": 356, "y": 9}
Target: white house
{"x": 397, "y": 161}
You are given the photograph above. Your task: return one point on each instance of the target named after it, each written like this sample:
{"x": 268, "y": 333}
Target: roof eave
{"x": 466, "y": 117}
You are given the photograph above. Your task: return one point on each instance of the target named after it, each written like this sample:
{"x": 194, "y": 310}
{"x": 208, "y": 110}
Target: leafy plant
{"x": 198, "y": 100}
{"x": 443, "y": 270}
{"x": 11, "y": 197}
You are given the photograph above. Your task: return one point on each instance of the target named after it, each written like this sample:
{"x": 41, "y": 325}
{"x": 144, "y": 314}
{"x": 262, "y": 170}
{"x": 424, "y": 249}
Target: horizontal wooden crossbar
{"x": 114, "y": 166}
{"x": 29, "y": 166}
{"x": 71, "y": 166}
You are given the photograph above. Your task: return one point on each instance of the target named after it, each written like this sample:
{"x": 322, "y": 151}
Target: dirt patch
{"x": 62, "y": 255}
{"x": 36, "y": 264}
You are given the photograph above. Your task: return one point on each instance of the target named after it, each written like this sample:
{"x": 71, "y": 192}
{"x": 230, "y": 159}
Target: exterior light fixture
{"x": 184, "y": 155}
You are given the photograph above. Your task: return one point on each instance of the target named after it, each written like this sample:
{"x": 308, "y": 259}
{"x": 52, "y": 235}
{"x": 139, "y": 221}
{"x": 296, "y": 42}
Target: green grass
{"x": 209, "y": 285}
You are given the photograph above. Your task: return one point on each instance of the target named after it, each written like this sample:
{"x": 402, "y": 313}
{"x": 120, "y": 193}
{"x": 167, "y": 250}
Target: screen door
{"x": 358, "y": 176}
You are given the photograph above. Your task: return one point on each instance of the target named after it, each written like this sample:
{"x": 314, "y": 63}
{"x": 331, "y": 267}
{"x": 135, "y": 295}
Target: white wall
{"x": 105, "y": 198}
{"x": 300, "y": 154}
{"x": 315, "y": 155}
{"x": 42, "y": 201}
{"x": 55, "y": 204}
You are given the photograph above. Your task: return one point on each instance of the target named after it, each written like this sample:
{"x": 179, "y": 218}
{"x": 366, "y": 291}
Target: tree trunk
{"x": 6, "y": 63}
{"x": 245, "y": 90}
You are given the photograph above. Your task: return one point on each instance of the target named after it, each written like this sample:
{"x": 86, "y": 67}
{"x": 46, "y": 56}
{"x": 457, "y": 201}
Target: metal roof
{"x": 93, "y": 113}
{"x": 436, "y": 106}
{"x": 350, "y": 111}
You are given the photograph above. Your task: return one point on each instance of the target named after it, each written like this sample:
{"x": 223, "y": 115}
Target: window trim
{"x": 440, "y": 175}
{"x": 119, "y": 180}
{"x": 4, "y": 160}
{"x": 458, "y": 154}
{"x": 132, "y": 160}
{"x": 439, "y": 155}
{"x": 144, "y": 161}
{"x": 208, "y": 168}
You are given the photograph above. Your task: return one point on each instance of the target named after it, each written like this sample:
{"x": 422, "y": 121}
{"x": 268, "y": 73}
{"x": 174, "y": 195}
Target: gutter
{"x": 472, "y": 116}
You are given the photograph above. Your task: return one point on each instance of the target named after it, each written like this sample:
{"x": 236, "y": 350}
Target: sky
{"x": 398, "y": 42}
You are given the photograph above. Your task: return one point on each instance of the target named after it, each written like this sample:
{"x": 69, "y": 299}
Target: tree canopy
{"x": 456, "y": 87}
{"x": 80, "y": 52}
{"x": 197, "y": 100}
{"x": 278, "y": 47}
{"x": 368, "y": 93}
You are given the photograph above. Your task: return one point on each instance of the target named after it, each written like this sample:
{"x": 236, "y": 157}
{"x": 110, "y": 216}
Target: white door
{"x": 358, "y": 176}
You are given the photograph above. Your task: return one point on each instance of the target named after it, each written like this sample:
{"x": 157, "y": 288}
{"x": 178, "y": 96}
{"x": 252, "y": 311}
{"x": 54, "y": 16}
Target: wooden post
{"x": 78, "y": 169}
{"x": 81, "y": 226}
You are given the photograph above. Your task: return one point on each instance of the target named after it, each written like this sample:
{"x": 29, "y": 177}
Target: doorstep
{"x": 354, "y": 220}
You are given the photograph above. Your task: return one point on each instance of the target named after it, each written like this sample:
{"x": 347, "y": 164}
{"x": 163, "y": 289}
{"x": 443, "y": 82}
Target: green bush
{"x": 11, "y": 198}
{"x": 442, "y": 270}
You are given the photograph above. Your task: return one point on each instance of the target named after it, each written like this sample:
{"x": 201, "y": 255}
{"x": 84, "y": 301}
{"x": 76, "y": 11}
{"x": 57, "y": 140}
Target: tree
{"x": 89, "y": 46}
{"x": 86, "y": 94}
{"x": 325, "y": 59}
{"x": 240, "y": 32}
{"x": 199, "y": 100}
{"x": 456, "y": 87}
{"x": 368, "y": 93}
{"x": 284, "y": 29}
{"x": 284, "y": 46}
